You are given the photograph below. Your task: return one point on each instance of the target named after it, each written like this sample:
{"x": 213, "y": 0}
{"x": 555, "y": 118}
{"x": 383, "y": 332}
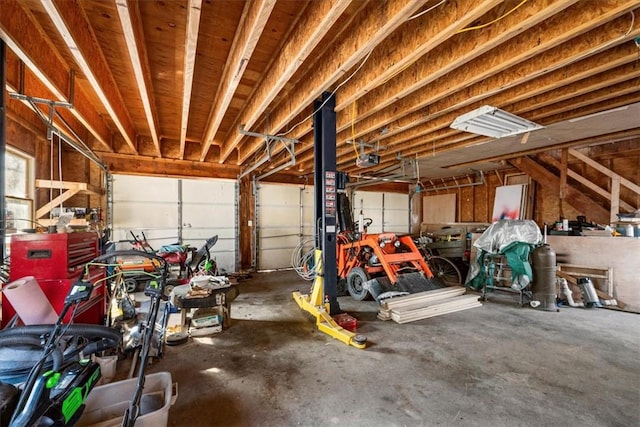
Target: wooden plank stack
{"x": 427, "y": 304}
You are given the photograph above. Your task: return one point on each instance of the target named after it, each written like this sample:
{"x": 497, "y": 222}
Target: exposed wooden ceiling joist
{"x": 309, "y": 32}
{"x": 70, "y": 21}
{"x": 41, "y": 60}
{"x": 191, "y": 43}
{"x": 128, "y": 13}
{"x": 402, "y": 71}
{"x": 253, "y": 21}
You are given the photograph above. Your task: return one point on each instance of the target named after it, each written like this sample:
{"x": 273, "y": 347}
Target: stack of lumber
{"x": 427, "y": 304}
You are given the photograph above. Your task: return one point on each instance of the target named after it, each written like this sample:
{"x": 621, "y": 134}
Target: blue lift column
{"x": 325, "y": 181}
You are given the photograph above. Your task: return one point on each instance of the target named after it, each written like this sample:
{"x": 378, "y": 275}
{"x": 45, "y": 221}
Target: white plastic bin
{"x": 105, "y": 406}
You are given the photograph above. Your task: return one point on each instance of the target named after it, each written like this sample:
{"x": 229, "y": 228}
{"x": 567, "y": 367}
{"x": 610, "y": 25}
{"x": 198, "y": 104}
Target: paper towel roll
{"x": 28, "y": 300}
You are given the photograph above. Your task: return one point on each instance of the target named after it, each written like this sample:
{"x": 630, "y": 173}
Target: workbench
{"x": 220, "y": 297}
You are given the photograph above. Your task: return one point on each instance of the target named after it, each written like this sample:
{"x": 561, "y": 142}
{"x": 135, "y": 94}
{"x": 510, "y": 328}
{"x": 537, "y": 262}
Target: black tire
{"x": 355, "y": 279}
{"x": 445, "y": 270}
{"x": 131, "y": 285}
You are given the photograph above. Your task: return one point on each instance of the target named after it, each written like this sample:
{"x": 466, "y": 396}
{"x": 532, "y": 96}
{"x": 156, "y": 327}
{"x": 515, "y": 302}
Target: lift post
{"x": 323, "y": 301}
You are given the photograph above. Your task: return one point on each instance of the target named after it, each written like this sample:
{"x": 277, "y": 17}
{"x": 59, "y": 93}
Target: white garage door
{"x": 209, "y": 208}
{"x": 145, "y": 204}
{"x": 284, "y": 216}
{"x": 166, "y": 209}
{"x": 388, "y": 211}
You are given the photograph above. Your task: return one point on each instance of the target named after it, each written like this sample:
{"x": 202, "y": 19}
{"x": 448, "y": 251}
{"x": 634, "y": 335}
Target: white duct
{"x": 564, "y": 290}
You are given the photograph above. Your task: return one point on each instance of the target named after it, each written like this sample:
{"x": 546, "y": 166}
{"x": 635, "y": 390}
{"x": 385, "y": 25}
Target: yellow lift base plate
{"x": 315, "y": 305}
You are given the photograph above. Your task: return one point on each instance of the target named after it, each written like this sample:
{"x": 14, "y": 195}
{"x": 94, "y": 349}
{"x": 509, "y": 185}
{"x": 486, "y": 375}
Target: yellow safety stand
{"x": 319, "y": 308}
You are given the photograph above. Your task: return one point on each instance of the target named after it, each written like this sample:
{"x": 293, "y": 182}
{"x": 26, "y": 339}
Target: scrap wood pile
{"x": 427, "y": 304}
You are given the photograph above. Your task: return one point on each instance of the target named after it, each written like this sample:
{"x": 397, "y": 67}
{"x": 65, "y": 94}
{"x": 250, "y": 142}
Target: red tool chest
{"x": 51, "y": 256}
{"x": 57, "y": 261}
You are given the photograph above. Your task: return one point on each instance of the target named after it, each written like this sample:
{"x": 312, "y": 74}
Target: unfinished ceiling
{"x": 160, "y": 86}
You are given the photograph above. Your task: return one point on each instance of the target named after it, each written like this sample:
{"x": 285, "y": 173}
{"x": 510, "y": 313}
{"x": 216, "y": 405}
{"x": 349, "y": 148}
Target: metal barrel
{"x": 543, "y": 286}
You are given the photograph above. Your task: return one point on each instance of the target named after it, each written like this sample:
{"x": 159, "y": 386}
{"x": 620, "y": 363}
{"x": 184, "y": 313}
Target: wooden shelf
{"x": 71, "y": 189}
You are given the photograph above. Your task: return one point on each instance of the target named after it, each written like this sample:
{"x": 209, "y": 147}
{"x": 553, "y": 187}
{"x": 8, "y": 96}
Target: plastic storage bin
{"x": 105, "y": 405}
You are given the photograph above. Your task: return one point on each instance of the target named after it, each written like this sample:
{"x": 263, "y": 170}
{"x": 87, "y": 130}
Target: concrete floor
{"x": 497, "y": 365}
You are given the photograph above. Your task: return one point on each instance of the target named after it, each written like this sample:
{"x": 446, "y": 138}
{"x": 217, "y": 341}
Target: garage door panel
{"x": 280, "y": 208}
{"x": 370, "y": 203}
{"x": 144, "y": 189}
{"x": 151, "y": 204}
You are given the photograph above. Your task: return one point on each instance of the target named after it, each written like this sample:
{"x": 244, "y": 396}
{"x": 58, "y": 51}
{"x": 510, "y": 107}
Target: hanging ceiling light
{"x": 493, "y": 122}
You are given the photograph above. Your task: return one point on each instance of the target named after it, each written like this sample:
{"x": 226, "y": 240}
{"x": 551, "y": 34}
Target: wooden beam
{"x": 575, "y": 198}
{"x": 552, "y": 55}
{"x": 437, "y": 121}
{"x": 68, "y": 185}
{"x": 310, "y": 30}
{"x": 611, "y": 174}
{"x": 417, "y": 54}
{"x": 370, "y": 27}
{"x": 473, "y": 50}
{"x": 143, "y": 165}
{"x": 191, "y": 43}
{"x": 563, "y": 173}
{"x": 589, "y": 98}
{"x": 547, "y": 158}
{"x": 71, "y": 189}
{"x": 580, "y": 76}
{"x": 71, "y": 22}
{"x": 129, "y": 13}
{"x": 254, "y": 18}
{"x": 403, "y": 52}
{"x": 615, "y": 199}
{"x": 22, "y": 34}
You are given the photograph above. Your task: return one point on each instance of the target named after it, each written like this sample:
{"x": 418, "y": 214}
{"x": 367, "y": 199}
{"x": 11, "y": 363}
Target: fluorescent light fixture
{"x": 493, "y": 122}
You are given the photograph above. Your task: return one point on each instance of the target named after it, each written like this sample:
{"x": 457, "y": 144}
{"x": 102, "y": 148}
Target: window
{"x": 18, "y": 191}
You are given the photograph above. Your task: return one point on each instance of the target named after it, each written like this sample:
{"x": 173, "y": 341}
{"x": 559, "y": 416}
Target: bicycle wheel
{"x": 445, "y": 270}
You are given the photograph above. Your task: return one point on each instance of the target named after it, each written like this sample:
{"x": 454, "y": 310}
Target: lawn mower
{"x": 381, "y": 265}
{"x": 46, "y": 371}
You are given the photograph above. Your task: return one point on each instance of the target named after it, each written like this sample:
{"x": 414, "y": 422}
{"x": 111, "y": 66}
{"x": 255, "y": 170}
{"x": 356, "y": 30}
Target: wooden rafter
{"x": 459, "y": 141}
{"x": 191, "y": 43}
{"x": 371, "y": 28}
{"x": 308, "y": 33}
{"x": 574, "y": 197}
{"x": 72, "y": 25}
{"x": 402, "y": 50}
{"x": 41, "y": 60}
{"x": 398, "y": 143}
{"x": 579, "y": 76}
{"x": 253, "y": 21}
{"x": 128, "y": 14}
{"x": 420, "y": 53}
{"x": 460, "y": 50}
{"x": 467, "y": 85}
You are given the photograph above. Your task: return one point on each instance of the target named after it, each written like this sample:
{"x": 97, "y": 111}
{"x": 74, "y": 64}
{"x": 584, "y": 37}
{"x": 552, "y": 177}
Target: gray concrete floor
{"x": 497, "y": 365}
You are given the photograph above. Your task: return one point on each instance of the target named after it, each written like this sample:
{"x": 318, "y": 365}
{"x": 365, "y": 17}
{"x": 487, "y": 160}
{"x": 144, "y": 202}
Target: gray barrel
{"x": 543, "y": 287}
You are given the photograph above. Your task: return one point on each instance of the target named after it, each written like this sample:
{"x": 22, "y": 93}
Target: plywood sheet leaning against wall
{"x": 423, "y": 305}
{"x": 617, "y": 253}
